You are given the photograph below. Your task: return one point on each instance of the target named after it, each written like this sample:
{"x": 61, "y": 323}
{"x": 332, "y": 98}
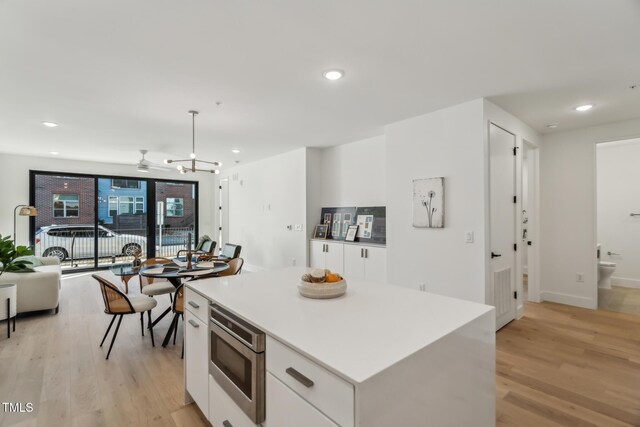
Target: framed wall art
{"x": 428, "y": 203}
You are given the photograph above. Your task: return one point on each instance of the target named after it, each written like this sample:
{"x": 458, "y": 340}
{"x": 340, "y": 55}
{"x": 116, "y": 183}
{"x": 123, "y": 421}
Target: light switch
{"x": 298, "y": 227}
{"x": 468, "y": 236}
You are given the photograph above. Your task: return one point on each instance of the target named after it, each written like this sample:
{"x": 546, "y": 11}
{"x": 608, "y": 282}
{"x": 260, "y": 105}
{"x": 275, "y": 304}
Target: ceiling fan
{"x": 145, "y": 165}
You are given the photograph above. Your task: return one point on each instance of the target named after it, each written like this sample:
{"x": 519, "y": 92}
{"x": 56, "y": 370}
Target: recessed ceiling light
{"x": 235, "y": 151}
{"x": 50, "y": 124}
{"x": 552, "y": 125}
{"x": 55, "y": 153}
{"x": 583, "y": 108}
{"x": 333, "y": 74}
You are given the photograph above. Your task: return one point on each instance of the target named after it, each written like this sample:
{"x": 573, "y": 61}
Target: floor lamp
{"x": 25, "y": 210}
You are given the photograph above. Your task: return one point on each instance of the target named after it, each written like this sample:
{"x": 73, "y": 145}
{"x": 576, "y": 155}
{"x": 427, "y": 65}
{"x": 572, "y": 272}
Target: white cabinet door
{"x": 223, "y": 410}
{"x": 334, "y": 257}
{"x": 353, "y": 262}
{"x": 375, "y": 264}
{"x": 316, "y": 254}
{"x": 196, "y": 364}
{"x": 286, "y": 409}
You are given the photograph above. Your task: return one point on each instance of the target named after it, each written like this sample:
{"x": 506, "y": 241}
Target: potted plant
{"x": 11, "y": 256}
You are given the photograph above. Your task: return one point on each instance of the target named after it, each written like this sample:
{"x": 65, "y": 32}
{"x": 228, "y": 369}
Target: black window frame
{"x": 151, "y": 208}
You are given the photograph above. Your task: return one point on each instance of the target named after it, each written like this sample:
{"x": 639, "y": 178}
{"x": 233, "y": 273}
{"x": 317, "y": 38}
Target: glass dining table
{"x": 175, "y": 273}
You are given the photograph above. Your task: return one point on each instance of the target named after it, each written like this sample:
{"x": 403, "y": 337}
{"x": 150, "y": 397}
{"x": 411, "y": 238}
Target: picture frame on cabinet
{"x": 351, "y": 234}
{"x": 320, "y": 231}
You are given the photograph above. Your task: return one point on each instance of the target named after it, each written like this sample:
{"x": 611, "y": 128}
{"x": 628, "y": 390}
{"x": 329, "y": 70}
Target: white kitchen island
{"x": 381, "y": 355}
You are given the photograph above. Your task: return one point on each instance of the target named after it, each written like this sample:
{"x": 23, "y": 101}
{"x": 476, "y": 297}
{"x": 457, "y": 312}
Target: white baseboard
{"x": 625, "y": 282}
{"x": 566, "y": 299}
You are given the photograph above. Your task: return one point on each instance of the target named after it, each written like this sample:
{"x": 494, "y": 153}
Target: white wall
{"x": 446, "y": 143}
{"x": 14, "y": 176}
{"x": 618, "y": 189}
{"x": 264, "y": 197}
{"x": 354, "y": 174}
{"x": 568, "y": 211}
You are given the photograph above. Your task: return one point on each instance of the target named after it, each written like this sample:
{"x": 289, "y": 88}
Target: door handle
{"x": 299, "y": 377}
{"x": 361, "y": 252}
{"x": 366, "y": 253}
{"x": 193, "y": 323}
{"x": 193, "y": 304}
{"x": 495, "y": 255}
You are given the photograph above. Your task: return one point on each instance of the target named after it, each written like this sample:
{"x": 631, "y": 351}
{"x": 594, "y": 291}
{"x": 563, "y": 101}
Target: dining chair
{"x": 151, "y": 286}
{"x": 228, "y": 251}
{"x": 117, "y": 304}
{"x": 235, "y": 267}
{"x": 178, "y": 312}
{"x": 205, "y": 247}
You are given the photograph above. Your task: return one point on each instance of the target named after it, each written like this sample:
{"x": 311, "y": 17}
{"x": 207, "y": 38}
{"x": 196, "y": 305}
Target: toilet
{"x": 605, "y": 271}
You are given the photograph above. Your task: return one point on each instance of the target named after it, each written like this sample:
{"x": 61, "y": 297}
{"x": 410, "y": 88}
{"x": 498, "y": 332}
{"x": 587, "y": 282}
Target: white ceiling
{"x": 120, "y": 75}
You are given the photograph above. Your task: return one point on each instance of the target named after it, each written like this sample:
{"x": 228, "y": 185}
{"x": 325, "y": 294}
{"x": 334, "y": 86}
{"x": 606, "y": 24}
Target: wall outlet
{"x": 422, "y": 287}
{"x": 468, "y": 236}
{"x": 579, "y": 277}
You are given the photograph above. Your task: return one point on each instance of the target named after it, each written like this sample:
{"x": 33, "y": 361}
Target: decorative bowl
{"x": 322, "y": 290}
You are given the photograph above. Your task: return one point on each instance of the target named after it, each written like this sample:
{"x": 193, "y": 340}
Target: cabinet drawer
{"x": 286, "y": 408}
{"x": 197, "y": 304}
{"x": 332, "y": 395}
{"x": 196, "y": 361}
{"x": 223, "y": 412}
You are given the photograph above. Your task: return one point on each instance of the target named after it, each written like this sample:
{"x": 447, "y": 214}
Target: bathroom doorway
{"x": 618, "y": 225}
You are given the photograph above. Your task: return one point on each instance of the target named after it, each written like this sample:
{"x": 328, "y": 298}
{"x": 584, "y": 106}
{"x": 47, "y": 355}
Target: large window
{"x": 66, "y": 205}
{"x": 90, "y": 221}
{"x": 175, "y": 206}
{"x": 125, "y": 183}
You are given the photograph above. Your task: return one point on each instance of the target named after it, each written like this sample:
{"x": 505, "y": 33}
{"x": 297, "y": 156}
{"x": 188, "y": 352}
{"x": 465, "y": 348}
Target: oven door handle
{"x": 230, "y": 332}
{"x": 233, "y": 340}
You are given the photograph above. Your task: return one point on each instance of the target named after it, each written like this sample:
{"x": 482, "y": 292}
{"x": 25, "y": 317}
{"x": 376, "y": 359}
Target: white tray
{"x": 322, "y": 290}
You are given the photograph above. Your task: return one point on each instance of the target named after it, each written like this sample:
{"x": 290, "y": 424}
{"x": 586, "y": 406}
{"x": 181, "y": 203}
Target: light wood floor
{"x": 621, "y": 299}
{"x": 557, "y": 366}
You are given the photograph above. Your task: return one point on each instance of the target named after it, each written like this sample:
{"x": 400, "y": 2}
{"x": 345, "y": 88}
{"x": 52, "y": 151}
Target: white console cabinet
{"x": 327, "y": 254}
{"x": 353, "y": 260}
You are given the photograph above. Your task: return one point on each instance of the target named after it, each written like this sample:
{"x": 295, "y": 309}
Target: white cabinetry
{"x": 286, "y": 408}
{"x": 365, "y": 262}
{"x": 223, "y": 411}
{"x": 302, "y": 384}
{"x": 196, "y": 364}
{"x": 352, "y": 260}
{"x": 327, "y": 255}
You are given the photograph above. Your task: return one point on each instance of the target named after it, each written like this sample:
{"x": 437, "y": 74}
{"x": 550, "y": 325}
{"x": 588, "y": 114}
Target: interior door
{"x": 502, "y": 190}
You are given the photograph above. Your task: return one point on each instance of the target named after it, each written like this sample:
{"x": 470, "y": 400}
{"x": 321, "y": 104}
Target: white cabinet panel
{"x": 334, "y": 257}
{"x": 375, "y": 264}
{"x": 317, "y": 254}
{"x": 196, "y": 363}
{"x": 196, "y": 304}
{"x": 353, "y": 262}
{"x": 321, "y": 388}
{"x": 286, "y": 409}
{"x": 223, "y": 412}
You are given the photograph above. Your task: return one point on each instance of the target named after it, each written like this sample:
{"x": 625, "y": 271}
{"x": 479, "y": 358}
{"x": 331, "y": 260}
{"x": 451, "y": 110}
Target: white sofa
{"x": 39, "y": 290}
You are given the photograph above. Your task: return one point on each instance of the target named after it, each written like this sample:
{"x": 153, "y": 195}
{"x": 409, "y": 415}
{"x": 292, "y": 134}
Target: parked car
{"x": 77, "y": 241}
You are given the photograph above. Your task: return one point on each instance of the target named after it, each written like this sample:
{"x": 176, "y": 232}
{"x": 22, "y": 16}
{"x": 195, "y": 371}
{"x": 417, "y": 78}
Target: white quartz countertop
{"x": 369, "y": 329}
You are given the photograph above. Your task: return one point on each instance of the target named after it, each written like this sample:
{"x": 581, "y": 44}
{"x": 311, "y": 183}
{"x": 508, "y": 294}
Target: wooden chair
{"x": 178, "y": 311}
{"x": 117, "y": 304}
{"x": 205, "y": 247}
{"x": 235, "y": 267}
{"x": 150, "y": 286}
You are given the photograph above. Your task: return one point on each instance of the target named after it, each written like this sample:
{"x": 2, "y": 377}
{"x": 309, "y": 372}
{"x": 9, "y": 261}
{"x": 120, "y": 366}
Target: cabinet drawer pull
{"x": 193, "y": 304}
{"x": 366, "y": 253}
{"x": 361, "y": 253}
{"x": 299, "y": 377}
{"x": 193, "y": 323}
{"x": 226, "y": 423}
